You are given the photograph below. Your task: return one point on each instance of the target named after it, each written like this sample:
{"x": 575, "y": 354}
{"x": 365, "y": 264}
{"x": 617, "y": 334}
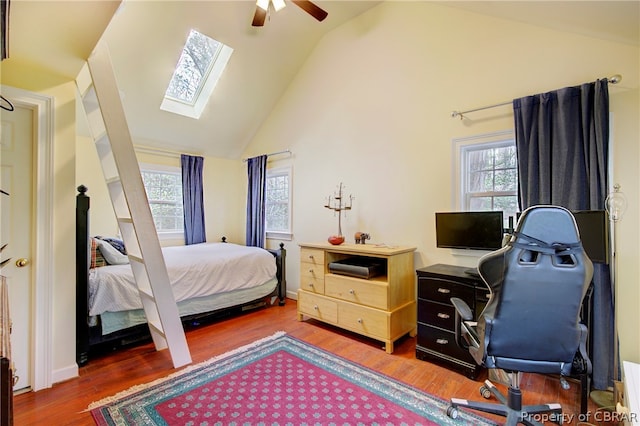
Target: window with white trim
{"x": 163, "y": 185}
{"x": 488, "y": 170}
{"x": 278, "y": 203}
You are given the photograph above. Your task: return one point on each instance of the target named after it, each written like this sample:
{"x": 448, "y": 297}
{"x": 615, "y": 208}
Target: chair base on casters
{"x": 509, "y": 407}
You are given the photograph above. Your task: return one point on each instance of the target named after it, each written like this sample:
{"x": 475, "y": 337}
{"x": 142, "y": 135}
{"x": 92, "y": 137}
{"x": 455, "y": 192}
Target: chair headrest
{"x": 551, "y": 224}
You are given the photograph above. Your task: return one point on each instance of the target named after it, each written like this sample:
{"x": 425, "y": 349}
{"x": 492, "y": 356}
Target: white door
{"x": 16, "y": 160}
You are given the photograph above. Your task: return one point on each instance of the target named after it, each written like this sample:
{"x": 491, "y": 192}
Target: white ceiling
{"x": 145, "y": 39}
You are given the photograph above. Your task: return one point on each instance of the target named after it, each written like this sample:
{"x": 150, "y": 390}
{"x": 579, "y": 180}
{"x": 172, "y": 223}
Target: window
{"x": 278, "y": 203}
{"x": 164, "y": 191}
{"x": 489, "y": 174}
{"x": 198, "y": 70}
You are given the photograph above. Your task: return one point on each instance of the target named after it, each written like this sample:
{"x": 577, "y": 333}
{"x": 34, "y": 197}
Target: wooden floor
{"x": 65, "y": 403}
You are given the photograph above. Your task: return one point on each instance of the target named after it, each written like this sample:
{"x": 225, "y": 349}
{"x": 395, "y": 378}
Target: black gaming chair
{"x": 531, "y": 323}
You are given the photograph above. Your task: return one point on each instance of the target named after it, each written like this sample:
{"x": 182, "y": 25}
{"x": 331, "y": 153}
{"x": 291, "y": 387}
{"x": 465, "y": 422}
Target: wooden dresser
{"x": 382, "y": 307}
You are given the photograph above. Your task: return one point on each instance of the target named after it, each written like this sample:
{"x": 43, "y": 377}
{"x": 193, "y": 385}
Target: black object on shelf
{"x": 359, "y": 267}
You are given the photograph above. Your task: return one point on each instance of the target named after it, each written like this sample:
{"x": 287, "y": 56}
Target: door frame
{"x": 42, "y": 303}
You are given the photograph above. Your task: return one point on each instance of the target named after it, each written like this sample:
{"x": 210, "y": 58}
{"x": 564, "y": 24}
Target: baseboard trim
{"x": 65, "y": 373}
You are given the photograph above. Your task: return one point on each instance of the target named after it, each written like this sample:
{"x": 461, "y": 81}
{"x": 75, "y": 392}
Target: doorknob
{"x": 22, "y": 262}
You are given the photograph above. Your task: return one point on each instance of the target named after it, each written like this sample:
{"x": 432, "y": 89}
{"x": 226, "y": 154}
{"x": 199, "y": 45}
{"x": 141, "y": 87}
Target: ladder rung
{"x": 145, "y": 293}
{"x": 157, "y": 328}
{"x": 135, "y": 258}
{"x": 113, "y": 179}
{"x": 124, "y": 219}
{"x": 99, "y": 136}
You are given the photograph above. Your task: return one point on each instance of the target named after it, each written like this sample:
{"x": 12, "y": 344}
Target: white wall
{"x": 371, "y": 108}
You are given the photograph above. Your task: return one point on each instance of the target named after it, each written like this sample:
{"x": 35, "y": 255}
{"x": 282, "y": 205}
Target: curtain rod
{"x": 286, "y": 151}
{"x": 161, "y": 151}
{"x": 613, "y": 80}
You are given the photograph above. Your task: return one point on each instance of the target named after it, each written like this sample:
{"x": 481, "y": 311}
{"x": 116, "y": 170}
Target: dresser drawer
{"x": 436, "y": 314}
{"x": 441, "y": 290}
{"x": 312, "y": 284}
{"x": 443, "y": 342}
{"x": 312, "y": 277}
{"x": 362, "y": 320}
{"x": 317, "y": 307}
{"x": 312, "y": 257}
{"x": 365, "y": 292}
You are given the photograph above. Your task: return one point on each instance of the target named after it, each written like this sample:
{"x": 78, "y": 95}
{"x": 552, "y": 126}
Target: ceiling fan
{"x": 262, "y": 7}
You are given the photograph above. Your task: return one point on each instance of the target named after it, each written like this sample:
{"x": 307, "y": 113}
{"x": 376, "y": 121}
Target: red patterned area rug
{"x": 278, "y": 380}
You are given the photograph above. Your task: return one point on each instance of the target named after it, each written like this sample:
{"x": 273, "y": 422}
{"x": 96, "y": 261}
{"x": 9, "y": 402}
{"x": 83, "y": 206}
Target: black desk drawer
{"x": 441, "y": 290}
{"x": 443, "y": 342}
{"x": 436, "y": 314}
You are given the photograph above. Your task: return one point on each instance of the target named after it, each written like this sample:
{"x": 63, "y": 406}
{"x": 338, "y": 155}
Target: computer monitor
{"x": 482, "y": 230}
{"x": 593, "y": 226}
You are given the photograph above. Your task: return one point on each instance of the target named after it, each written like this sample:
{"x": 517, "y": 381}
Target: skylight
{"x": 198, "y": 70}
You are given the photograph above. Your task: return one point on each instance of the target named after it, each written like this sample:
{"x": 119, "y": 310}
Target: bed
{"x": 209, "y": 281}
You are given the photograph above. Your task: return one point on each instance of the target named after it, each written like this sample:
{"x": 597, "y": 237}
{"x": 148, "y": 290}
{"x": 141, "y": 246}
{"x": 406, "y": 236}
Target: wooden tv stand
{"x": 382, "y": 307}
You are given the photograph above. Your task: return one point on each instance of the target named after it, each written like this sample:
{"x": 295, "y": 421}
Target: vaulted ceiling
{"x": 145, "y": 39}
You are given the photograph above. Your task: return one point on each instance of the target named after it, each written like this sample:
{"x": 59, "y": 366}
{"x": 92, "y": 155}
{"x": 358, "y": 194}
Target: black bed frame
{"x": 90, "y": 338}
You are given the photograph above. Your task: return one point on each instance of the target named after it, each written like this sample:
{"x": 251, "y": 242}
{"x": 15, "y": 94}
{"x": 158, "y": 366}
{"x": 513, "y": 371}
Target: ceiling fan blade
{"x": 259, "y": 17}
{"x": 311, "y": 9}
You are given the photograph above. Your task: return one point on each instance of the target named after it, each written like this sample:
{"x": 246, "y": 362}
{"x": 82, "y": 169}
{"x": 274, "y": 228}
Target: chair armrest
{"x": 462, "y": 309}
{"x": 584, "y": 332}
{"x": 463, "y": 314}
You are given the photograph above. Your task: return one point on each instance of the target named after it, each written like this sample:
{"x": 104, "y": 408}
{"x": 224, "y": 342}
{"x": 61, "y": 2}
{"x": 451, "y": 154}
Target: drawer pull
{"x": 444, "y": 290}
{"x": 310, "y": 256}
{"x": 352, "y": 291}
{"x": 315, "y": 307}
{"x": 442, "y": 341}
{"x": 311, "y": 271}
{"x": 359, "y": 320}
{"x": 310, "y": 284}
{"x": 443, "y": 316}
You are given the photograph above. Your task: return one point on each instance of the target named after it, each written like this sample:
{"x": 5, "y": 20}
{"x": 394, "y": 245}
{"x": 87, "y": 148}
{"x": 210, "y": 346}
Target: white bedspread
{"x": 194, "y": 271}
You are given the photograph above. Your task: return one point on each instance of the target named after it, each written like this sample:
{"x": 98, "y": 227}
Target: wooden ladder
{"x": 105, "y": 114}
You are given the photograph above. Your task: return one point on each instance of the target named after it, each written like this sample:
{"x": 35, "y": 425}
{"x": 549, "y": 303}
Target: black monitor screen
{"x": 594, "y": 234}
{"x": 469, "y": 230}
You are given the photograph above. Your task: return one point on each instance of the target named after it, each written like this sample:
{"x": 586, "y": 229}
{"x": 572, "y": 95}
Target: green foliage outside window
{"x": 277, "y": 203}
{"x": 164, "y": 191}
{"x": 492, "y": 179}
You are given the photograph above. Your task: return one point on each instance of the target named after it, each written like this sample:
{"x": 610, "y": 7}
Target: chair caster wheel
{"x": 485, "y": 392}
{"x": 452, "y": 412}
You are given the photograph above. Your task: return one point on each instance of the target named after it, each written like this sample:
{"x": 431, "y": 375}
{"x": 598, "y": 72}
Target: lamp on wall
{"x": 615, "y": 205}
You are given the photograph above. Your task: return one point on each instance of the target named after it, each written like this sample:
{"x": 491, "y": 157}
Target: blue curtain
{"x": 562, "y": 142}
{"x": 194, "y": 231}
{"x": 257, "y": 171}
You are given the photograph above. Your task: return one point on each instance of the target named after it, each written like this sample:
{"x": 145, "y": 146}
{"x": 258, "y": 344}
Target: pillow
{"x": 97, "y": 260}
{"x": 115, "y": 242}
{"x": 111, "y": 255}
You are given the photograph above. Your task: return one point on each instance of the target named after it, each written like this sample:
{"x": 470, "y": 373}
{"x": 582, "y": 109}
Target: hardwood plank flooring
{"x": 65, "y": 403}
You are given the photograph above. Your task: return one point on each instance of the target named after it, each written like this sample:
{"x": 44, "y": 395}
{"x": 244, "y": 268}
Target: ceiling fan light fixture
{"x": 262, "y": 10}
{"x": 278, "y": 4}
